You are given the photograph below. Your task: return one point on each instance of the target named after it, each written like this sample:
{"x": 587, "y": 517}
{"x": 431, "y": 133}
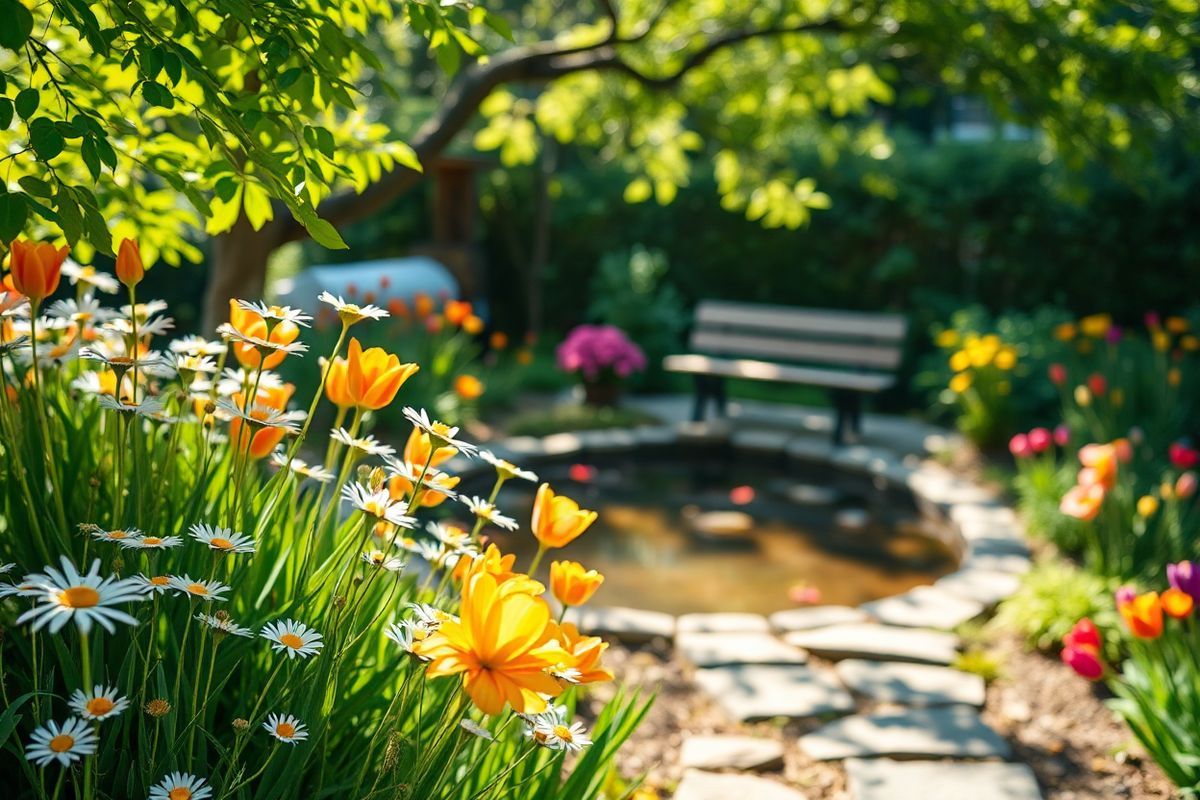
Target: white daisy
{"x": 224, "y": 624}
{"x": 231, "y": 333}
{"x": 197, "y": 346}
{"x": 148, "y": 406}
{"x": 70, "y": 741}
{"x": 572, "y": 738}
{"x": 277, "y": 313}
{"x": 378, "y": 558}
{"x": 90, "y": 276}
{"x": 180, "y": 786}
{"x": 222, "y": 539}
{"x": 13, "y": 304}
{"x": 407, "y": 633}
{"x": 261, "y": 416}
{"x": 294, "y": 638}
{"x": 507, "y": 469}
{"x": 434, "y": 479}
{"x": 24, "y": 588}
{"x": 86, "y": 310}
{"x": 440, "y": 434}
{"x": 365, "y": 444}
{"x": 286, "y": 728}
{"x": 378, "y": 504}
{"x": 429, "y": 616}
{"x": 101, "y": 703}
{"x": 188, "y": 364}
{"x": 568, "y": 674}
{"x": 6, "y": 568}
{"x": 201, "y": 590}
{"x": 155, "y": 584}
{"x": 158, "y": 326}
{"x": 98, "y": 533}
{"x": 351, "y": 313}
{"x": 302, "y": 467}
{"x": 87, "y": 599}
{"x": 450, "y": 535}
{"x": 489, "y": 513}
{"x": 238, "y": 380}
{"x": 148, "y": 542}
{"x": 144, "y": 310}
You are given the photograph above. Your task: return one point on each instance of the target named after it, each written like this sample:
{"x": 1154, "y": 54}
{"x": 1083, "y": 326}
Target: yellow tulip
{"x": 960, "y": 382}
{"x": 373, "y": 376}
{"x": 571, "y": 584}
{"x": 558, "y": 520}
{"x": 1147, "y": 505}
{"x": 960, "y": 361}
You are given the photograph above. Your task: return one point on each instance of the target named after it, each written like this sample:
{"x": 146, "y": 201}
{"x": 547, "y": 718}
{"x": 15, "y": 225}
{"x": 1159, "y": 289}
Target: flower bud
{"x": 130, "y": 270}
{"x": 158, "y": 708}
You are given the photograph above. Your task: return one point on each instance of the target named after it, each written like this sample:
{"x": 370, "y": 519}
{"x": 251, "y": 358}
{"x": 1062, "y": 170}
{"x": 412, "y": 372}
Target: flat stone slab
{"x": 809, "y": 494}
{"x": 883, "y": 642}
{"x": 985, "y": 586}
{"x": 731, "y": 752}
{"x": 749, "y": 692}
{"x": 627, "y": 624}
{"x": 949, "y": 731}
{"x": 700, "y": 785}
{"x": 716, "y": 649}
{"x": 722, "y": 623}
{"x": 884, "y": 779}
{"x": 924, "y": 607}
{"x": 763, "y": 441}
{"x": 809, "y": 617}
{"x": 911, "y": 684}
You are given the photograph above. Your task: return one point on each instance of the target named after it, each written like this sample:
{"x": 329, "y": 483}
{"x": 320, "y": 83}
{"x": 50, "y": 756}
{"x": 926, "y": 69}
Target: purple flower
{"x": 1184, "y": 577}
{"x": 596, "y": 349}
{"x": 1124, "y": 595}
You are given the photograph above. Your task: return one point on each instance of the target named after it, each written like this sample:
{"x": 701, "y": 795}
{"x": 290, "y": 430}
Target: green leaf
{"x": 91, "y": 158}
{"x": 157, "y": 95}
{"x": 97, "y": 231}
{"x": 106, "y": 153}
{"x": 320, "y": 230}
{"x": 499, "y": 25}
{"x": 18, "y": 24}
{"x": 69, "y": 217}
{"x": 27, "y": 102}
{"x": 289, "y": 77}
{"x": 13, "y": 212}
{"x": 36, "y": 186}
{"x": 46, "y": 140}
{"x": 6, "y": 113}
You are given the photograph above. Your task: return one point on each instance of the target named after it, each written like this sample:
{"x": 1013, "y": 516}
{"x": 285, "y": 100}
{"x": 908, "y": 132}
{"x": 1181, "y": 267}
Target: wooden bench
{"x": 850, "y": 353}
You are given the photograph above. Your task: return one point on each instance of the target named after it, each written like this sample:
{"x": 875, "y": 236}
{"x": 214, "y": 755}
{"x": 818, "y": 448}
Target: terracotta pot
{"x": 601, "y": 394}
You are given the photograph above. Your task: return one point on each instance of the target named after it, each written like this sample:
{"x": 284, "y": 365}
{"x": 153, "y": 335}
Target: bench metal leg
{"x": 718, "y": 392}
{"x": 701, "y": 400}
{"x": 847, "y": 407}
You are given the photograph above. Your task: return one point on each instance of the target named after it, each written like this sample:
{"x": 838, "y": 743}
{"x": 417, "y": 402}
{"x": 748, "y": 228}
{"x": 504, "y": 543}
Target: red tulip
{"x": 1019, "y": 446}
{"x": 1084, "y": 634}
{"x": 1097, "y": 383}
{"x": 1039, "y": 439}
{"x": 1182, "y": 456}
{"x": 1085, "y": 661}
{"x": 1058, "y": 374}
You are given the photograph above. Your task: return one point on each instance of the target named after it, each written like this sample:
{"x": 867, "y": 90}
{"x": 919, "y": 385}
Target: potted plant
{"x": 602, "y": 356}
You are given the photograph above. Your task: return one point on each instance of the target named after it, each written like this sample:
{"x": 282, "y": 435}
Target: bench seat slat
{"x": 761, "y": 346}
{"x": 802, "y": 321}
{"x": 765, "y": 371}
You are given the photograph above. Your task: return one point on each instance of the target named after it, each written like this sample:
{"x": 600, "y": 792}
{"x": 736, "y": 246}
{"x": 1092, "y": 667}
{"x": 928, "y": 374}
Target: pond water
{"x": 824, "y": 537}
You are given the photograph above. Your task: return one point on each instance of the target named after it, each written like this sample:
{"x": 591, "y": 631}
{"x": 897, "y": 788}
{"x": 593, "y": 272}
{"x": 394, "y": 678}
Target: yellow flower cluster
{"x": 974, "y": 352}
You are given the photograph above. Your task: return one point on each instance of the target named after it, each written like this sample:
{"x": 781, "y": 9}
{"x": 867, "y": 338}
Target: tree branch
{"x": 539, "y": 62}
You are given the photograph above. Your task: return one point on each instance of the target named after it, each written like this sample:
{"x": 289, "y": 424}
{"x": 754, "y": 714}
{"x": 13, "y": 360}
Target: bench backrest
{"x": 855, "y": 339}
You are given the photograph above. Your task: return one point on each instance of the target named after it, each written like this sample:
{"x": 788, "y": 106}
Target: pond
{"x": 728, "y": 531}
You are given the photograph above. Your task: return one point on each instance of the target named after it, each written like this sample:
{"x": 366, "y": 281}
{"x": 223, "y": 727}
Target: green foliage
{"x": 1040, "y": 485}
{"x": 981, "y": 662}
{"x": 1053, "y": 596}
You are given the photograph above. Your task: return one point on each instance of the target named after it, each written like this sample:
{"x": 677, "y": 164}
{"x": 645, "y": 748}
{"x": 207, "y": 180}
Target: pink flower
{"x": 1040, "y": 439}
{"x": 1124, "y": 594}
{"x": 1019, "y": 446}
{"x": 1085, "y": 661}
{"x": 1114, "y": 335}
{"x": 1151, "y": 319}
{"x": 1185, "y": 485}
{"x": 594, "y": 350}
{"x": 1062, "y": 435}
{"x": 1058, "y": 374}
{"x": 1185, "y": 577}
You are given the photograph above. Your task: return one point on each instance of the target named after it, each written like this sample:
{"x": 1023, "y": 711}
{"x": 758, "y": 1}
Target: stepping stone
{"x": 911, "y": 684}
{"x": 884, "y": 779}
{"x": 808, "y": 494}
{"x": 700, "y": 785}
{"x": 627, "y": 624}
{"x": 1016, "y": 563}
{"x": 809, "y": 448}
{"x": 982, "y": 585}
{"x": 882, "y": 642}
{"x": 924, "y": 607}
{"x": 750, "y": 692}
{"x": 722, "y": 623}
{"x": 731, "y": 752}
{"x": 950, "y": 731}
{"x": 716, "y": 649}
{"x": 803, "y": 619}
{"x": 757, "y": 440}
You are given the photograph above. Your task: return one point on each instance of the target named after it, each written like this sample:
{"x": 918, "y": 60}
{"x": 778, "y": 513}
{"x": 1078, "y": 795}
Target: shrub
{"x": 1053, "y": 595}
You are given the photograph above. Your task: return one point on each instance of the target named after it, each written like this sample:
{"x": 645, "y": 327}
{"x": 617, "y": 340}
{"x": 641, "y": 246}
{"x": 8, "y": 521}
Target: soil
{"x": 1056, "y": 722}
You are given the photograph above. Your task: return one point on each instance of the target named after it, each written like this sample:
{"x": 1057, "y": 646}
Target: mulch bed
{"x": 1057, "y": 723}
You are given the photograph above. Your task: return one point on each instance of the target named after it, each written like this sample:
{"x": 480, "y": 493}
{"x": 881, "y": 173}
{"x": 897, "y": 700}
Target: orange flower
{"x": 422, "y": 305}
{"x": 501, "y": 646}
{"x": 500, "y": 567}
{"x": 335, "y": 384}
{"x": 130, "y": 269}
{"x": 1083, "y": 501}
{"x": 36, "y": 268}
{"x": 468, "y": 387}
{"x": 416, "y": 450}
{"x": 473, "y": 325}
{"x": 558, "y": 520}
{"x": 585, "y": 653}
{"x": 1177, "y": 603}
{"x": 249, "y": 323}
{"x": 400, "y": 486}
{"x": 373, "y": 376}
{"x": 1100, "y": 464}
{"x": 262, "y": 442}
{"x": 499, "y": 340}
{"x": 525, "y": 356}
{"x": 572, "y": 585}
{"x": 1143, "y": 615}
{"x": 456, "y": 311}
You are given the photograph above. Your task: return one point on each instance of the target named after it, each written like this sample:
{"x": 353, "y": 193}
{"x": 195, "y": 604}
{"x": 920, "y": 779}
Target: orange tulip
{"x": 468, "y": 387}
{"x": 336, "y": 388}
{"x": 1143, "y": 615}
{"x": 1100, "y": 465}
{"x": 585, "y": 653}
{"x": 498, "y": 340}
{"x": 130, "y": 270}
{"x": 248, "y": 323}
{"x": 36, "y": 268}
{"x": 1177, "y": 603}
{"x": 571, "y": 584}
{"x": 456, "y": 311}
{"x": 373, "y": 376}
{"x": 416, "y": 450}
{"x": 473, "y": 325}
{"x": 422, "y": 305}
{"x": 558, "y": 520}
{"x": 1084, "y": 501}
{"x": 399, "y": 487}
{"x": 260, "y": 442}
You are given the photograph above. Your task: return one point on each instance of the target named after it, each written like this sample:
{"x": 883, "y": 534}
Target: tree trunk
{"x": 238, "y": 269}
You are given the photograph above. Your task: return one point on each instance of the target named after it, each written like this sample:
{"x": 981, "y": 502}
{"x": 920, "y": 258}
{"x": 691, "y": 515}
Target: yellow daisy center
{"x": 118, "y": 535}
{"x": 291, "y": 640}
{"x": 151, "y": 540}
{"x": 62, "y": 743}
{"x": 160, "y": 580}
{"x": 441, "y": 429}
{"x": 563, "y": 732}
{"x": 197, "y": 588}
{"x": 375, "y": 509}
{"x": 221, "y": 543}
{"x": 79, "y": 597}
{"x": 180, "y": 793}
{"x": 285, "y": 730}
{"x": 377, "y": 558}
{"x": 121, "y": 361}
{"x": 100, "y": 705}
